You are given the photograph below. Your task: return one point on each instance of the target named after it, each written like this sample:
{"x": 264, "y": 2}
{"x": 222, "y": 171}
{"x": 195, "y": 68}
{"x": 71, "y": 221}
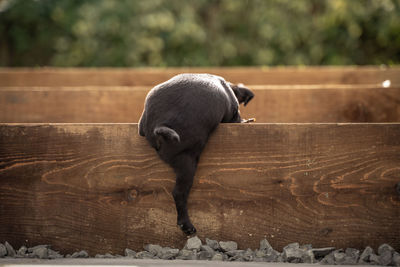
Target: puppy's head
{"x": 242, "y": 93}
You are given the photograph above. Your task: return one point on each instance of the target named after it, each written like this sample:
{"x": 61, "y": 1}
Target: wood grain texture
{"x": 282, "y": 103}
{"x": 153, "y": 76}
{"x": 101, "y": 188}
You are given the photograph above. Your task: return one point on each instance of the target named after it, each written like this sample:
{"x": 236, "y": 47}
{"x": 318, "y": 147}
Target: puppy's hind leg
{"x": 184, "y": 166}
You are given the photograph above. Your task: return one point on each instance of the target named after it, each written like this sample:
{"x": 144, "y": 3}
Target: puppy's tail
{"x": 167, "y": 133}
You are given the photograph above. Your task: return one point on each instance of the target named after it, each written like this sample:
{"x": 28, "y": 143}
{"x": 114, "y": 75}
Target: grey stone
{"x": 80, "y": 254}
{"x": 144, "y": 255}
{"x": 339, "y": 256}
{"x": 320, "y": 253}
{"x": 169, "y": 253}
{"x": 396, "y": 259}
{"x": 385, "y": 247}
{"x": 349, "y": 261}
{"x": 228, "y": 245}
{"x": 186, "y": 254}
{"x": 236, "y": 258}
{"x": 10, "y": 250}
{"x": 295, "y": 254}
{"x": 212, "y": 244}
{"x": 41, "y": 253}
{"x": 385, "y": 258}
{"x": 204, "y": 255}
{"x": 352, "y": 256}
{"x": 365, "y": 255}
{"x": 265, "y": 246}
{"x": 248, "y": 255}
{"x": 233, "y": 253}
{"x": 105, "y": 256}
{"x": 30, "y": 250}
{"x": 328, "y": 259}
{"x": 266, "y": 256}
{"x": 54, "y": 254}
{"x": 295, "y": 260}
{"x": 156, "y": 250}
{"x": 259, "y": 259}
{"x": 218, "y": 257}
{"x": 193, "y": 243}
{"x": 129, "y": 253}
{"x": 75, "y": 255}
{"x": 208, "y": 249}
{"x": 260, "y": 253}
{"x": 274, "y": 256}
{"x": 291, "y": 251}
{"x": 3, "y": 251}
{"x": 374, "y": 259}
{"x": 240, "y": 255}
{"x": 22, "y": 251}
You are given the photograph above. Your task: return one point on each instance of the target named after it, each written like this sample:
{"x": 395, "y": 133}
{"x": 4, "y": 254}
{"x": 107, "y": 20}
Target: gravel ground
{"x": 123, "y": 262}
{"x": 212, "y": 250}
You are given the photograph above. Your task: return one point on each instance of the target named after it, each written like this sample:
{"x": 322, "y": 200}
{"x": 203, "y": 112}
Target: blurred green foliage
{"x": 198, "y": 32}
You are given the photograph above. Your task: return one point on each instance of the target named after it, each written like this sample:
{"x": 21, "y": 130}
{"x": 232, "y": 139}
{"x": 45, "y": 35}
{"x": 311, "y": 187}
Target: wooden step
{"x": 153, "y": 76}
{"x": 272, "y": 103}
{"x": 100, "y": 187}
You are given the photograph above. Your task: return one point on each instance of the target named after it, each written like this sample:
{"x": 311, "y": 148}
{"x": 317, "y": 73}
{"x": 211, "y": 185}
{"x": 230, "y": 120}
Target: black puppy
{"x": 179, "y": 116}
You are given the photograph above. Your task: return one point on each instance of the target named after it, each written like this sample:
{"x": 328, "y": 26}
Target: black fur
{"x": 179, "y": 116}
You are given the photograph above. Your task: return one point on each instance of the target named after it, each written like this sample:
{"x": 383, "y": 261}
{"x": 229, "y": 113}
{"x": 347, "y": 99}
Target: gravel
{"x": 365, "y": 256}
{"x": 227, "y": 246}
{"x": 320, "y": 253}
{"x": 129, "y": 253}
{"x": 80, "y": 254}
{"x": 295, "y": 254}
{"x": 213, "y": 250}
{"x": 396, "y": 259}
{"x": 155, "y": 250}
{"x": 169, "y": 253}
{"x": 193, "y": 243}
{"x": 10, "y": 250}
{"x": 212, "y": 244}
{"x": 3, "y": 251}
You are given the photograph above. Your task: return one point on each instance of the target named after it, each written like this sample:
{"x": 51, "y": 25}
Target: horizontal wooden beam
{"x": 279, "y": 103}
{"x": 152, "y": 76}
{"x": 100, "y": 187}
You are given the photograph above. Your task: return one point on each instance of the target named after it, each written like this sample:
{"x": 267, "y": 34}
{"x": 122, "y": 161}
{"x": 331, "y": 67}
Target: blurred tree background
{"x": 198, "y": 32}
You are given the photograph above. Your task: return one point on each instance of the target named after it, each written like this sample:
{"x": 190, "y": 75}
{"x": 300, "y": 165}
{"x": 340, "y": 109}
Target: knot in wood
{"x": 132, "y": 194}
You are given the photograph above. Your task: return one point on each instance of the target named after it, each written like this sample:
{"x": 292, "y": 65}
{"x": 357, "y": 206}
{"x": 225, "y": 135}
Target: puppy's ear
{"x": 242, "y": 93}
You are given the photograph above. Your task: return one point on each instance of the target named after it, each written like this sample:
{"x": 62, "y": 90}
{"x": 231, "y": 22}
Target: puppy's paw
{"x": 248, "y": 120}
{"x": 187, "y": 228}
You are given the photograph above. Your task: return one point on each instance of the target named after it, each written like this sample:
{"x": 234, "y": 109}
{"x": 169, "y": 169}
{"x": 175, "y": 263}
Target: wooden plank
{"x": 101, "y": 188}
{"x": 284, "y": 103}
{"x": 152, "y": 76}
{"x": 321, "y": 103}
{"x": 81, "y": 104}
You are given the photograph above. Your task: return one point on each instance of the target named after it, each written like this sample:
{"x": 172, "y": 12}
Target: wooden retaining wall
{"x": 74, "y": 173}
{"x": 100, "y": 187}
